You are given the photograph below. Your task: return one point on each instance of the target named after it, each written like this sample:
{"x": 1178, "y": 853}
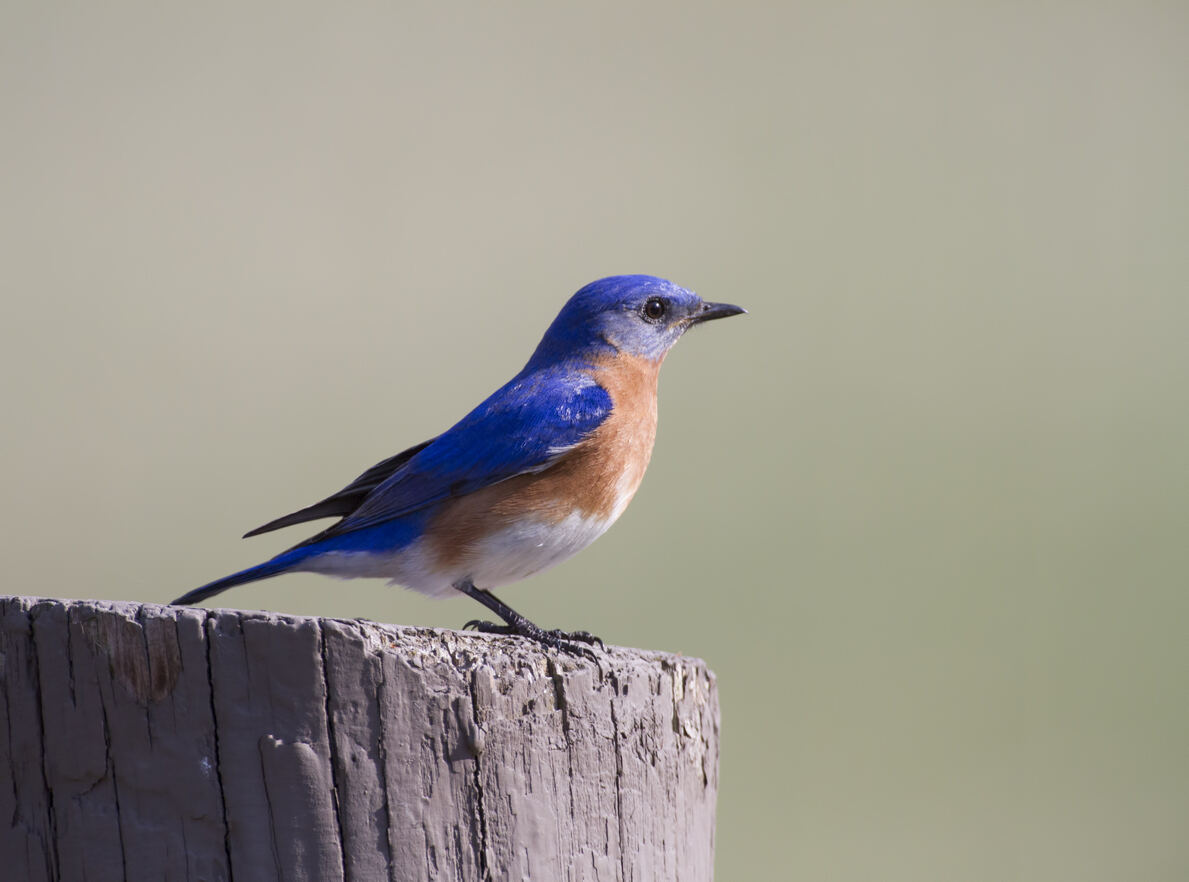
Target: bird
{"x": 531, "y": 476}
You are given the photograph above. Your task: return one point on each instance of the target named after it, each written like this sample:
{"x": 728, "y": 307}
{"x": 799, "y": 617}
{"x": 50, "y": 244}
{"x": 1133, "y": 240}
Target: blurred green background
{"x": 925, "y": 511}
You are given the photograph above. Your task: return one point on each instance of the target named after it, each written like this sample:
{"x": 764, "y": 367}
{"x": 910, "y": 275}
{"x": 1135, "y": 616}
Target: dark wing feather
{"x": 350, "y": 497}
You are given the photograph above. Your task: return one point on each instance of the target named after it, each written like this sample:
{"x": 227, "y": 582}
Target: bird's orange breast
{"x": 596, "y": 479}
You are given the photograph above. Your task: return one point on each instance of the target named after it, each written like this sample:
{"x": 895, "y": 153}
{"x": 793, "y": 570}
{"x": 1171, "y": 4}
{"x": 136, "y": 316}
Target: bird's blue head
{"x": 640, "y": 316}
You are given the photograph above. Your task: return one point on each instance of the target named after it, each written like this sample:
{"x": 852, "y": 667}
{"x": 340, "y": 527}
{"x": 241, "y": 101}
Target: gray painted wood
{"x": 157, "y": 742}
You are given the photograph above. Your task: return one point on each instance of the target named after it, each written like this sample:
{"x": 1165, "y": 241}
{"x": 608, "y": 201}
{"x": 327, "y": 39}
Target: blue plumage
{"x": 604, "y": 319}
{"x": 522, "y": 427}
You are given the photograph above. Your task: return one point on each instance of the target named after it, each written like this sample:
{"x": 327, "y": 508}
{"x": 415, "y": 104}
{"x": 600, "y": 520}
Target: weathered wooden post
{"x": 156, "y": 742}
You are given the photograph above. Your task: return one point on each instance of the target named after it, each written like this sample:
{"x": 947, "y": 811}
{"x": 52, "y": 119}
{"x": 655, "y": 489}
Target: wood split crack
{"x": 332, "y": 746}
{"x": 109, "y": 766}
{"x": 148, "y": 661}
{"x": 272, "y": 815}
{"x": 562, "y": 704}
{"x": 382, "y": 760}
{"x": 208, "y": 632}
{"x": 616, "y": 738}
{"x": 480, "y": 809}
{"x": 54, "y": 859}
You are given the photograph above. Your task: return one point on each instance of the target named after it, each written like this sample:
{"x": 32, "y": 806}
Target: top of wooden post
{"x": 172, "y": 742}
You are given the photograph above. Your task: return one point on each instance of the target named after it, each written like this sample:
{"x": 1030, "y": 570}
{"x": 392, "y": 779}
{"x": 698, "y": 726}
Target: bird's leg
{"x": 519, "y": 625}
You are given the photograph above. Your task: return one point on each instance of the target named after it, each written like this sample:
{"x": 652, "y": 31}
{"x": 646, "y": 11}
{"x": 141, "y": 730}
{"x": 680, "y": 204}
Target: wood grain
{"x": 157, "y": 742}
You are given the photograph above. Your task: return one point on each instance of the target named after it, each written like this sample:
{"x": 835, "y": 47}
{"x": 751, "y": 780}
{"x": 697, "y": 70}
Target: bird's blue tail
{"x": 279, "y": 564}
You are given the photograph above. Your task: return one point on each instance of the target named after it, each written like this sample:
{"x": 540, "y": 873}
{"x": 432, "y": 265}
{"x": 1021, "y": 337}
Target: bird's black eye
{"x": 654, "y": 309}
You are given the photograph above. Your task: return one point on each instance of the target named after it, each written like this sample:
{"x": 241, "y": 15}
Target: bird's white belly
{"x": 530, "y": 546}
{"x": 506, "y": 555}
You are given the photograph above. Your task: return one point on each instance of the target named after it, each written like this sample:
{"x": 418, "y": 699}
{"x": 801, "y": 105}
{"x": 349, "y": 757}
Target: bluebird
{"x": 528, "y": 478}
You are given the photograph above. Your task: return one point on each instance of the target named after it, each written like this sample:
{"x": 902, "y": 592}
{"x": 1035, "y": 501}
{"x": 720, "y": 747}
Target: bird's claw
{"x": 577, "y": 637}
{"x": 565, "y": 641}
{"x": 577, "y": 649}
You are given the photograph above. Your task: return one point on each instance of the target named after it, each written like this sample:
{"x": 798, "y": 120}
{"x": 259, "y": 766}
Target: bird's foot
{"x": 566, "y": 641}
{"x": 579, "y": 637}
{"x": 571, "y": 642}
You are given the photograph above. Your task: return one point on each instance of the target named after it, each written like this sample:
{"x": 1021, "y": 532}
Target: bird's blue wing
{"x": 523, "y": 427}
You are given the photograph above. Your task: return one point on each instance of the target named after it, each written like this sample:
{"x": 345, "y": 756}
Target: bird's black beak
{"x": 711, "y": 311}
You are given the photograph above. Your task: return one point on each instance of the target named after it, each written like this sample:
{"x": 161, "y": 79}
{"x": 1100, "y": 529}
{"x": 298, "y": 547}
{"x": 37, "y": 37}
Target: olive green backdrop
{"x": 925, "y": 510}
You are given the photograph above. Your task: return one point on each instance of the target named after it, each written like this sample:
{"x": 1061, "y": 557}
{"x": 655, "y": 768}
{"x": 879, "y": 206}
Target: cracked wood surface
{"x": 158, "y": 742}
